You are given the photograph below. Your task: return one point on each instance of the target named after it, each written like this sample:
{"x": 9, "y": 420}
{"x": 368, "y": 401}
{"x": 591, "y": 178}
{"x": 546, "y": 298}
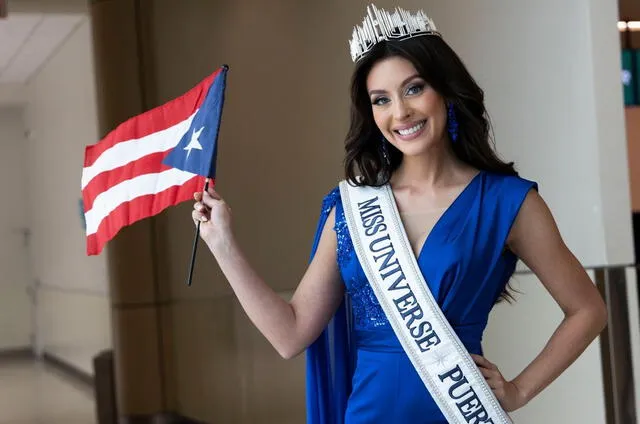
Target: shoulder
{"x": 327, "y": 217}
{"x": 534, "y": 225}
{"x": 503, "y": 200}
{"x": 519, "y": 202}
{"x": 508, "y": 185}
{"x": 331, "y": 199}
{"x": 331, "y": 202}
{"x": 508, "y": 192}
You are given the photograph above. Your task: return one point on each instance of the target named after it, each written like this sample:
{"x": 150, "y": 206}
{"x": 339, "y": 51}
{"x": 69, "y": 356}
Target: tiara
{"x": 380, "y": 25}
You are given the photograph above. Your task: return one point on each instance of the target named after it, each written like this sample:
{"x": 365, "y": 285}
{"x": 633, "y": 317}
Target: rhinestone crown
{"x": 380, "y": 25}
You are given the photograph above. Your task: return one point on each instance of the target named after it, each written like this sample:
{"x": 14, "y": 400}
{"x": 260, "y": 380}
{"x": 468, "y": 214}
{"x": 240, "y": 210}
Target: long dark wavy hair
{"x": 445, "y": 72}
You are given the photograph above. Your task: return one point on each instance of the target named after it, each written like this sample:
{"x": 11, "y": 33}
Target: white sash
{"x": 436, "y": 352}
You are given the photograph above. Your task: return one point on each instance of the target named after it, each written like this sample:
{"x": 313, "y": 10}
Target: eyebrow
{"x": 372, "y": 92}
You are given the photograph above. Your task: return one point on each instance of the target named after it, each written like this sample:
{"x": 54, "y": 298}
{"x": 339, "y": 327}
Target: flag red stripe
{"x": 147, "y": 165}
{"x": 140, "y": 208}
{"x": 154, "y": 120}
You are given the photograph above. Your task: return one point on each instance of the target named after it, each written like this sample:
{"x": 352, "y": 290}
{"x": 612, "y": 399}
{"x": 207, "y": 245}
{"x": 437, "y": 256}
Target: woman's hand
{"x": 508, "y": 394}
{"x": 214, "y": 216}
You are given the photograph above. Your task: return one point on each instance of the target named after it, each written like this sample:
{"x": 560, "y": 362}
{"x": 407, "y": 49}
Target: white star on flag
{"x": 194, "y": 143}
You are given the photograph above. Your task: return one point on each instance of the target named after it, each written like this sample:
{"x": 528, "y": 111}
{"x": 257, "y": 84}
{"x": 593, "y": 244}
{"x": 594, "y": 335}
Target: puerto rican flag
{"x": 152, "y": 161}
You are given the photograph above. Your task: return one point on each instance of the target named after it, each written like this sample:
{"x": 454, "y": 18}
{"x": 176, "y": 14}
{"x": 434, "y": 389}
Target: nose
{"x": 401, "y": 110}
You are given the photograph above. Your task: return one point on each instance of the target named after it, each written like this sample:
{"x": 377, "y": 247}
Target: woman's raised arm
{"x": 289, "y": 326}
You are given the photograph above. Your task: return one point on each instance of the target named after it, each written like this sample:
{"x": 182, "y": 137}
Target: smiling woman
{"x": 413, "y": 250}
{"x": 423, "y": 73}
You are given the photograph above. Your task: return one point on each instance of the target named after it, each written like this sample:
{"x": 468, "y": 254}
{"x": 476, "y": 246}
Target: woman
{"x": 418, "y": 127}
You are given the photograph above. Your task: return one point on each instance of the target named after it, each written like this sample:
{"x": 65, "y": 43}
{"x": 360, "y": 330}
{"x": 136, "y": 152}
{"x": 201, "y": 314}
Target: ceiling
{"x": 27, "y": 40}
{"x": 29, "y": 36}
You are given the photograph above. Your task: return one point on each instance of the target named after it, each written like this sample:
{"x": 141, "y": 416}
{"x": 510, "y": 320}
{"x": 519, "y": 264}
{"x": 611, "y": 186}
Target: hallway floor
{"x": 34, "y": 393}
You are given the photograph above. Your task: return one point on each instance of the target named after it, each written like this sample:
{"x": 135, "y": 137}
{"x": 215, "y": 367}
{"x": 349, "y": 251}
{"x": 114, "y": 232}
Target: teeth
{"x": 412, "y": 130}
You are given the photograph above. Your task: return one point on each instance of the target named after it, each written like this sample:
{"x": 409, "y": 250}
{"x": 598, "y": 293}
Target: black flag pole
{"x": 195, "y": 242}
{"x": 225, "y": 68}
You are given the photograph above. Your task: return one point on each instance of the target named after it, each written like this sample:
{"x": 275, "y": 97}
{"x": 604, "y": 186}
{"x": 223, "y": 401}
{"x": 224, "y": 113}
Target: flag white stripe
{"x": 107, "y": 201}
{"x": 132, "y": 150}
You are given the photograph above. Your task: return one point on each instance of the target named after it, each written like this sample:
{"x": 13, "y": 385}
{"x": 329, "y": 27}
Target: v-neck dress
{"x": 465, "y": 265}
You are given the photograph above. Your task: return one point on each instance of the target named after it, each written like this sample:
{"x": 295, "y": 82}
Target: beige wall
{"x": 15, "y": 305}
{"x": 632, "y": 115}
{"x": 73, "y": 306}
{"x": 12, "y": 95}
{"x": 280, "y": 152}
{"x": 609, "y": 135}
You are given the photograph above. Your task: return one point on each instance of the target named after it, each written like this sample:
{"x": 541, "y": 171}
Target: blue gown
{"x": 357, "y": 372}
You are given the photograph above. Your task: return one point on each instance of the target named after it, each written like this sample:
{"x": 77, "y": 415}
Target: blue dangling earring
{"x": 385, "y": 151}
{"x": 452, "y": 123}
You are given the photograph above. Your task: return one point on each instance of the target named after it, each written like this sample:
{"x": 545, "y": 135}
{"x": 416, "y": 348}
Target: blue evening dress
{"x": 357, "y": 372}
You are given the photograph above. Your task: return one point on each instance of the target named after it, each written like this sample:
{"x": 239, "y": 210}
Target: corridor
{"x": 34, "y": 393}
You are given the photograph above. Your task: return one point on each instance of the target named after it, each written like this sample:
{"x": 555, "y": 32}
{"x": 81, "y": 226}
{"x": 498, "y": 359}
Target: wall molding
{"x": 74, "y": 290}
{"x": 68, "y": 369}
{"x": 16, "y": 353}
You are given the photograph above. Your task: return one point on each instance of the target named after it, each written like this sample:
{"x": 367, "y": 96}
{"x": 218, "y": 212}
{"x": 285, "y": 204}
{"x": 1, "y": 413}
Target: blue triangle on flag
{"x": 197, "y": 150}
